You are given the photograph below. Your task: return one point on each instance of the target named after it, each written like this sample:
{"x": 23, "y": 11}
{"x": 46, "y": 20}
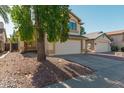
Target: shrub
{"x": 114, "y": 48}
{"x": 122, "y": 49}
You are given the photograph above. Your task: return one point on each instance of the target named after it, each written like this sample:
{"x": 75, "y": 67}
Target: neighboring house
{"x": 98, "y": 42}
{"x": 74, "y": 45}
{"x": 117, "y": 38}
{"x": 2, "y": 37}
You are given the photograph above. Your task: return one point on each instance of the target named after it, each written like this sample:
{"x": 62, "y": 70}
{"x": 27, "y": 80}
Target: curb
{"x": 4, "y": 55}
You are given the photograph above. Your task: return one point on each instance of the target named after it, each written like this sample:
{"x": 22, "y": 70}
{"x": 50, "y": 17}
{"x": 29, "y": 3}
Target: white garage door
{"x": 102, "y": 47}
{"x": 68, "y": 47}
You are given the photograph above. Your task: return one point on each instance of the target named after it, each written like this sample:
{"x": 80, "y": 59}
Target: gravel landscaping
{"x": 23, "y": 71}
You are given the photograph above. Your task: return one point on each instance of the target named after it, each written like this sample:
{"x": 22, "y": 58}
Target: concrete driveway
{"x": 108, "y": 72}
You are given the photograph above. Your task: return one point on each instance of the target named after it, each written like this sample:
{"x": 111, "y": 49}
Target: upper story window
{"x": 72, "y": 25}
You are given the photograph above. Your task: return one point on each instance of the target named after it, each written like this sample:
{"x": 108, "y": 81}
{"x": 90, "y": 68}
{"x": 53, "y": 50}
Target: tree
{"x": 42, "y": 20}
{"x": 82, "y": 30}
{"x": 14, "y": 37}
{"x": 4, "y": 9}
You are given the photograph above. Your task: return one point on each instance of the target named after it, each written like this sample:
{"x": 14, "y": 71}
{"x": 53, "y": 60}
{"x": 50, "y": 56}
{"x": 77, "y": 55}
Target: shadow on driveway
{"x": 48, "y": 73}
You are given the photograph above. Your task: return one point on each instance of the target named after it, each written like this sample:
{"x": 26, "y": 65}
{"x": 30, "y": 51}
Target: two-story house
{"x": 117, "y": 38}
{"x": 74, "y": 45}
{"x": 2, "y": 37}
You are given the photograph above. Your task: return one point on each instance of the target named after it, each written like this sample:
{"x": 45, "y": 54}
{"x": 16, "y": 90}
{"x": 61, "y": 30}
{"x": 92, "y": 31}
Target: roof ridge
{"x": 94, "y": 32}
{"x": 94, "y": 35}
{"x": 116, "y": 31}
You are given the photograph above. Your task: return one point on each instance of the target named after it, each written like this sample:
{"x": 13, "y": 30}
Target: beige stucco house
{"x": 117, "y": 38}
{"x": 74, "y": 45}
{"x": 98, "y": 42}
{"x": 2, "y": 37}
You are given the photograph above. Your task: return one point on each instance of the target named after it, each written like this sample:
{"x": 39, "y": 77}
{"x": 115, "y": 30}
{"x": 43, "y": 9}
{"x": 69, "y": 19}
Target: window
{"x": 72, "y": 25}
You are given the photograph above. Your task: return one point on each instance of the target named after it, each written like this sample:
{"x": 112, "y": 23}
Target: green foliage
{"x": 51, "y": 20}
{"x": 122, "y": 49}
{"x": 21, "y": 16}
{"x": 57, "y": 23}
{"x": 114, "y": 48}
{"x": 14, "y": 37}
{"x": 4, "y": 9}
{"x": 82, "y": 31}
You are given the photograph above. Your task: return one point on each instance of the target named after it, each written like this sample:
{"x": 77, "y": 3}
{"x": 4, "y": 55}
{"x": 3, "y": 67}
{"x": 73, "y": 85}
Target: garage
{"x": 102, "y": 47}
{"x": 98, "y": 42}
{"x": 68, "y": 47}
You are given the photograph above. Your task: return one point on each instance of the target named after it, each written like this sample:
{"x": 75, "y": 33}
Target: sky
{"x": 8, "y": 26}
{"x": 100, "y": 18}
{"x": 95, "y": 18}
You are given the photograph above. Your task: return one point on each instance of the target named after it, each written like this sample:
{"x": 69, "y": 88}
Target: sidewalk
{"x": 110, "y": 56}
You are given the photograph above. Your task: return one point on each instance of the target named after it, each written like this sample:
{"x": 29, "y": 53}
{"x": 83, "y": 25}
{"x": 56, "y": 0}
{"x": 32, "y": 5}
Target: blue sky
{"x": 100, "y": 18}
{"x": 9, "y": 27}
{"x": 96, "y": 18}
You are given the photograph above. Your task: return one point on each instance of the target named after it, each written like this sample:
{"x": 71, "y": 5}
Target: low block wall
{"x": 120, "y": 54}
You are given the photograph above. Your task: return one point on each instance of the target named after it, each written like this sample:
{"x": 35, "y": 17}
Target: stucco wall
{"x": 3, "y": 40}
{"x": 2, "y": 36}
{"x": 90, "y": 45}
{"x": 102, "y": 44}
{"x": 118, "y": 40}
{"x": 102, "y": 39}
{"x": 2, "y": 46}
{"x": 21, "y": 46}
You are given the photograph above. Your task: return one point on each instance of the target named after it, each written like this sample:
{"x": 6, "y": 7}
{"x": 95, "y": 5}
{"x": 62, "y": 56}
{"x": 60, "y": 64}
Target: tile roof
{"x": 115, "y": 32}
{"x": 93, "y": 35}
{"x": 77, "y": 36}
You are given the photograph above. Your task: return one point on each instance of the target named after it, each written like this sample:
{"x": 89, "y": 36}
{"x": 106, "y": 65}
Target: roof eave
{"x": 75, "y": 16}
{"x": 76, "y": 36}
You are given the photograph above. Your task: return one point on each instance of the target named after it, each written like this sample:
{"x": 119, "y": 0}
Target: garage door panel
{"x": 68, "y": 47}
{"x": 102, "y": 47}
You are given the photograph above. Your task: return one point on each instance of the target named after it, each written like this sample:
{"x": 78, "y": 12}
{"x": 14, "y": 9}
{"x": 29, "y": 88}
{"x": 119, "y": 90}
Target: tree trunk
{"x": 41, "y": 56}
